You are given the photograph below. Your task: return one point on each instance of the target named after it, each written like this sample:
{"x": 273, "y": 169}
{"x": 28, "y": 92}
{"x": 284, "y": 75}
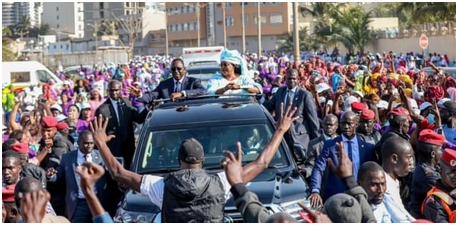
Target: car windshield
{"x": 203, "y": 71}
{"x": 160, "y": 148}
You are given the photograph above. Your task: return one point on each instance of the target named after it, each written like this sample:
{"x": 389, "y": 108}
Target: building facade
{"x": 66, "y": 19}
{"x": 13, "y": 11}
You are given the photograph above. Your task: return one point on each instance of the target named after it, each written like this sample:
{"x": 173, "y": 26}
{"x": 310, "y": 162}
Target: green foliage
{"x": 7, "y": 54}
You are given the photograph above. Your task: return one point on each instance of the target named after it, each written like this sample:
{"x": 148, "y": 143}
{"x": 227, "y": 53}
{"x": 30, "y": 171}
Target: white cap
{"x": 29, "y": 108}
{"x": 61, "y": 118}
{"x": 56, "y": 107}
{"x": 424, "y": 106}
{"x": 321, "y": 87}
{"x": 85, "y": 106}
{"x": 382, "y": 104}
{"x": 358, "y": 93}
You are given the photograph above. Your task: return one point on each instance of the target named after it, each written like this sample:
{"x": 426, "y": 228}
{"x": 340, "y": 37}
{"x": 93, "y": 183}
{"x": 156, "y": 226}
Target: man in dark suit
{"x": 172, "y": 88}
{"x": 306, "y": 127}
{"x": 121, "y": 116}
{"x": 358, "y": 151}
{"x": 329, "y": 126}
{"x": 77, "y": 209}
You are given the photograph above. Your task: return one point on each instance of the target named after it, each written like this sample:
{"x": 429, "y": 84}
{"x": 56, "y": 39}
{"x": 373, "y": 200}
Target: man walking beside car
{"x": 173, "y": 88}
{"x": 191, "y": 194}
{"x": 307, "y": 127}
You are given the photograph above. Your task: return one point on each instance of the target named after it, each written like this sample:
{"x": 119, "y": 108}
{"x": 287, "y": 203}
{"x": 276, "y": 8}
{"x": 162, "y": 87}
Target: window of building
{"x": 188, "y": 10}
{"x": 191, "y": 27}
{"x": 57, "y": 17}
{"x": 229, "y": 5}
{"x": 177, "y": 27}
{"x": 102, "y": 15}
{"x": 79, "y": 18}
{"x": 195, "y": 25}
{"x": 101, "y": 5}
{"x": 153, "y": 38}
{"x": 274, "y": 3}
{"x": 176, "y": 9}
{"x": 57, "y": 8}
{"x": 183, "y": 9}
{"x": 58, "y": 26}
{"x": 275, "y": 18}
{"x": 245, "y": 4}
{"x": 229, "y": 20}
{"x": 262, "y": 19}
{"x": 246, "y": 20}
{"x": 127, "y": 4}
{"x": 185, "y": 26}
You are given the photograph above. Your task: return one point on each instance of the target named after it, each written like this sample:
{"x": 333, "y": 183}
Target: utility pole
{"x": 296, "y": 39}
{"x": 259, "y": 29}
{"x": 224, "y": 23}
{"x": 243, "y": 27}
{"x": 167, "y": 38}
{"x": 198, "y": 15}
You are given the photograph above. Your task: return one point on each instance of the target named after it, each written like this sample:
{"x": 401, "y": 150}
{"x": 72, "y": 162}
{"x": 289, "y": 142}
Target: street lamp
{"x": 17, "y": 46}
{"x": 259, "y": 29}
{"x": 243, "y": 27}
{"x": 224, "y": 23}
{"x": 296, "y": 37}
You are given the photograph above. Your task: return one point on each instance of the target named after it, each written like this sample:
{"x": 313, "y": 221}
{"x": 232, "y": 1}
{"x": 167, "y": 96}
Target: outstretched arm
{"x": 126, "y": 177}
{"x": 254, "y": 168}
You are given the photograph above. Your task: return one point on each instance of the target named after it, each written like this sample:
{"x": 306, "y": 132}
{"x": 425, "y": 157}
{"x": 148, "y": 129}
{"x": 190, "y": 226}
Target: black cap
{"x": 450, "y": 106}
{"x": 191, "y": 151}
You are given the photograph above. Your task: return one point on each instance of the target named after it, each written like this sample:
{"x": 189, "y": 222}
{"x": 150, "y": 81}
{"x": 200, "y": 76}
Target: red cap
{"x": 449, "y": 158}
{"x": 400, "y": 111}
{"x": 62, "y": 125}
{"x": 8, "y": 193}
{"x": 431, "y": 137}
{"x": 422, "y": 221}
{"x": 367, "y": 114}
{"x": 20, "y": 148}
{"x": 48, "y": 122}
{"x": 356, "y": 106}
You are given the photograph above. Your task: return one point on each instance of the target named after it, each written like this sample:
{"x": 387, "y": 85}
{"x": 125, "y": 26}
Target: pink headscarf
{"x": 452, "y": 93}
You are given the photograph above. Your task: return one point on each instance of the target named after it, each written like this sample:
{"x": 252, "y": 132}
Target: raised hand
{"x": 134, "y": 91}
{"x": 50, "y": 172}
{"x": 344, "y": 168}
{"x": 286, "y": 119}
{"x": 89, "y": 173}
{"x": 98, "y": 128}
{"x": 317, "y": 217}
{"x": 233, "y": 165}
{"x": 33, "y": 205}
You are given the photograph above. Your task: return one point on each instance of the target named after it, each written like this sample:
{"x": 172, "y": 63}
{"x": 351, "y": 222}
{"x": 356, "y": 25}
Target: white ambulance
{"x": 193, "y": 56}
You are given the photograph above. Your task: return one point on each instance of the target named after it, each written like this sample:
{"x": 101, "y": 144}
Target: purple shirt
{"x": 82, "y": 126}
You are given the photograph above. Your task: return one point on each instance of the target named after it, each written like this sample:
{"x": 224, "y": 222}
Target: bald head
{"x": 395, "y": 145}
{"x": 25, "y": 185}
{"x": 330, "y": 125}
{"x": 281, "y": 218}
{"x": 348, "y": 124}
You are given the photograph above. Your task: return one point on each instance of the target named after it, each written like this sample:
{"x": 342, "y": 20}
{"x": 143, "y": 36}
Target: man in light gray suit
{"x": 306, "y": 127}
{"x": 329, "y": 126}
{"x": 76, "y": 207}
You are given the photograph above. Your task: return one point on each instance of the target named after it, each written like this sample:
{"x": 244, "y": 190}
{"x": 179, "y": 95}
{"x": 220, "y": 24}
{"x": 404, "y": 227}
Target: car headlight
{"x": 124, "y": 216}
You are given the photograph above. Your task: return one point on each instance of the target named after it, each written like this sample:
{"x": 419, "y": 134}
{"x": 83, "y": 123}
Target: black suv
{"x": 218, "y": 124}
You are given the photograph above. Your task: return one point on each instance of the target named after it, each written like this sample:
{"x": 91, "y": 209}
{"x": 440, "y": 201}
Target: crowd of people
{"x": 376, "y": 138}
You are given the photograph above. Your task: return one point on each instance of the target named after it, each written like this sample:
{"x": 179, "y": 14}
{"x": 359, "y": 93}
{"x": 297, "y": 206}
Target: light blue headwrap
{"x": 234, "y": 57}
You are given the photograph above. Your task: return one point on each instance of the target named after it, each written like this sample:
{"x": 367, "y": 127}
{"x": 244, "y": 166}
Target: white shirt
{"x": 80, "y": 161}
{"x": 381, "y": 213}
{"x": 393, "y": 202}
{"x": 153, "y": 187}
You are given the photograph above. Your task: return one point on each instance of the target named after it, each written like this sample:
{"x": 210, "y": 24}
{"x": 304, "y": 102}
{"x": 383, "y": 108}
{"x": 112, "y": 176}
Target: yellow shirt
{"x": 368, "y": 89}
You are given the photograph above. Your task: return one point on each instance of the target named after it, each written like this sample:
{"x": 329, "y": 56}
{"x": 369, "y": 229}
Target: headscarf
{"x": 434, "y": 92}
{"x": 452, "y": 93}
{"x": 450, "y": 82}
{"x": 234, "y": 57}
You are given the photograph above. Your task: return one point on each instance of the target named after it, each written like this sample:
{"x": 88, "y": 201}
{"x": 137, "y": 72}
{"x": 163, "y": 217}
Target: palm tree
{"x": 24, "y": 25}
{"x": 355, "y": 32}
{"x": 286, "y": 41}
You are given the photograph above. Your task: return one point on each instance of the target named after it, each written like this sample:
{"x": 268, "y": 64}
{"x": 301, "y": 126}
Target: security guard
{"x": 440, "y": 203}
{"x": 426, "y": 173}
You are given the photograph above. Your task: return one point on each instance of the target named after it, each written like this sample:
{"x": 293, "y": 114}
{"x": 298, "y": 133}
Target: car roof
{"x": 206, "y": 110}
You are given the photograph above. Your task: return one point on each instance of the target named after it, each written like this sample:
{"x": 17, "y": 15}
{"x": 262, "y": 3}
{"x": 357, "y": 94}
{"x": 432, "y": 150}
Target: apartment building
{"x": 12, "y": 12}
{"x": 66, "y": 19}
{"x": 188, "y": 21}
{"x": 96, "y": 13}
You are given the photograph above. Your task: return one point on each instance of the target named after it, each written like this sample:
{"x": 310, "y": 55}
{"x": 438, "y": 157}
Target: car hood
{"x": 272, "y": 186}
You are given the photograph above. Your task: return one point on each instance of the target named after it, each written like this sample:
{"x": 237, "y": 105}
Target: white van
{"x": 193, "y": 56}
{"x": 27, "y": 73}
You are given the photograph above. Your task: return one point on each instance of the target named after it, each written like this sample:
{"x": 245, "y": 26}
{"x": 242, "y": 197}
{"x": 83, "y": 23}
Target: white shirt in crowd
{"x": 394, "y": 204}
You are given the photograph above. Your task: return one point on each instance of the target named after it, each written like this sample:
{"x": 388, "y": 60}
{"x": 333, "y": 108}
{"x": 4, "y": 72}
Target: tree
{"x": 23, "y": 27}
{"x": 306, "y": 42}
{"x": 133, "y": 26}
{"x": 7, "y": 54}
{"x": 355, "y": 32}
{"x": 41, "y": 30}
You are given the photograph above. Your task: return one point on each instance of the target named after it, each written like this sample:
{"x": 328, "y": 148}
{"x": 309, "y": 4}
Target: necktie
{"x": 177, "y": 86}
{"x": 289, "y": 99}
{"x": 85, "y": 157}
{"x": 120, "y": 114}
{"x": 349, "y": 149}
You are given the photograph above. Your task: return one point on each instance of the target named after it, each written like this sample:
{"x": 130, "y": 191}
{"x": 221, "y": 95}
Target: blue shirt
{"x": 450, "y": 134}
{"x": 355, "y": 158}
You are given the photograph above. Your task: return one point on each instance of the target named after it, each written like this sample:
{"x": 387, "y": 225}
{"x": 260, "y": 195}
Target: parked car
{"x": 450, "y": 70}
{"x": 74, "y": 71}
{"x": 203, "y": 72}
{"x": 217, "y": 124}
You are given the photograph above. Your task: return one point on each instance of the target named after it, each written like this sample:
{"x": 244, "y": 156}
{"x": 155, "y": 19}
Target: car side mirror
{"x": 299, "y": 153}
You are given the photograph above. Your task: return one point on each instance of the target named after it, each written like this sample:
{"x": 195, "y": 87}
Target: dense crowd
{"x": 377, "y": 133}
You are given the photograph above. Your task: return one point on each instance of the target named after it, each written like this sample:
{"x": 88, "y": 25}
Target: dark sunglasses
{"x": 113, "y": 90}
{"x": 176, "y": 69}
